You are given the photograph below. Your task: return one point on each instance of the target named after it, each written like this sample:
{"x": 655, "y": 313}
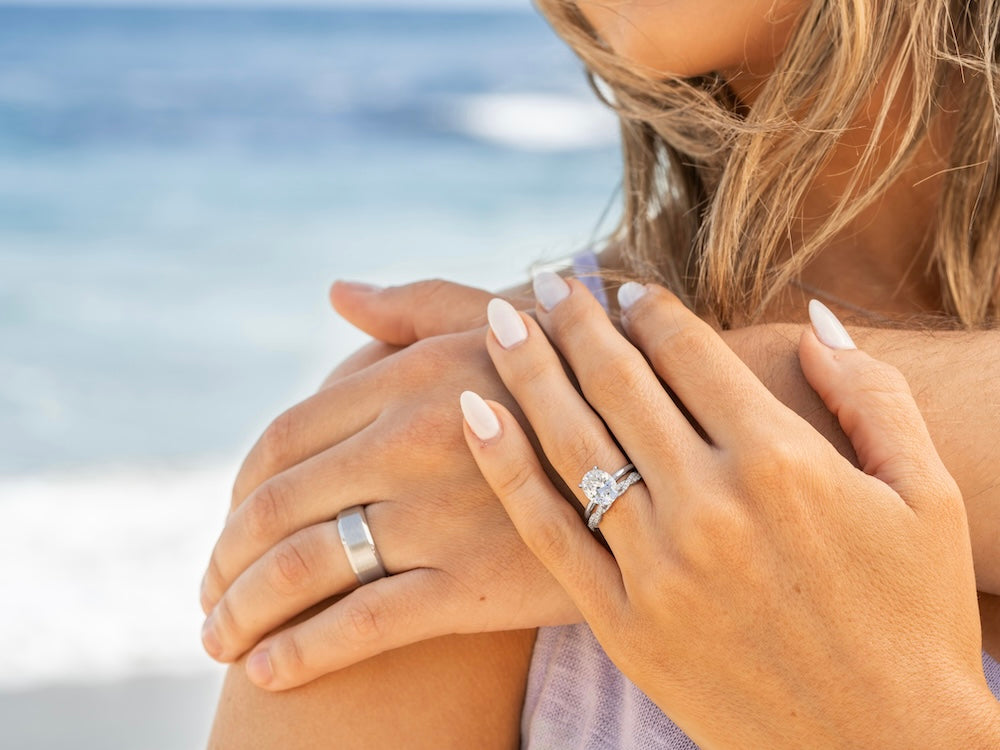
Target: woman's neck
{"x": 880, "y": 261}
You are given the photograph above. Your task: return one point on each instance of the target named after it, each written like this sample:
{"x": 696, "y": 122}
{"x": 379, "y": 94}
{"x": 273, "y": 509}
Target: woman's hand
{"x": 385, "y": 436}
{"x": 760, "y": 589}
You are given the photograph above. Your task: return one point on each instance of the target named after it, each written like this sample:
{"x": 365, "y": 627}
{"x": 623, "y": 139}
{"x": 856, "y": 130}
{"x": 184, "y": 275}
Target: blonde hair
{"x": 713, "y": 190}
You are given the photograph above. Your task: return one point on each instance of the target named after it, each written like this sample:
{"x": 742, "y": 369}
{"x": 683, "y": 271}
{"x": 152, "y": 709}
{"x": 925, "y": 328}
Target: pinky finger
{"x": 548, "y": 524}
{"x": 379, "y": 616}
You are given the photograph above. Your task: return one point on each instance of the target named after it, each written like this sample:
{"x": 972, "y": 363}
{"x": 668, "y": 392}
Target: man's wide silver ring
{"x": 602, "y": 489}
{"x": 359, "y": 546}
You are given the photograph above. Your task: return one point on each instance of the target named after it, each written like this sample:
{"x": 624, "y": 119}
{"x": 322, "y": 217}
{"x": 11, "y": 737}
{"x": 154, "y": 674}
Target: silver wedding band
{"x": 359, "y": 546}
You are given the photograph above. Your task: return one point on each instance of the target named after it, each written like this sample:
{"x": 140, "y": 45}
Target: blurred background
{"x": 179, "y": 184}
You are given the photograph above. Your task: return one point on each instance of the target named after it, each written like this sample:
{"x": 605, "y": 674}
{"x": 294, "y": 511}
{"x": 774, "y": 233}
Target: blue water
{"x": 179, "y": 187}
{"x": 177, "y": 190}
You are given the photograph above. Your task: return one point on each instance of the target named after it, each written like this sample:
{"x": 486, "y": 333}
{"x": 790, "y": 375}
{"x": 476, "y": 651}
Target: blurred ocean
{"x": 177, "y": 190}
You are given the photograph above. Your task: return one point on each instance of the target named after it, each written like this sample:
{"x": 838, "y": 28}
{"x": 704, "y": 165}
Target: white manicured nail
{"x": 506, "y": 323}
{"x": 550, "y": 289}
{"x": 629, "y": 293}
{"x": 480, "y": 417}
{"x": 828, "y": 329}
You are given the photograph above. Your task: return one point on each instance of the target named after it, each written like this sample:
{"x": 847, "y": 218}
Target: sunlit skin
{"x": 743, "y": 42}
{"x": 363, "y": 705}
{"x": 693, "y": 37}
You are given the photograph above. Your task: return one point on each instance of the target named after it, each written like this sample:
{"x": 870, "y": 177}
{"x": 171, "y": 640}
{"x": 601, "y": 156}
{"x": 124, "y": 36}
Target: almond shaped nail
{"x": 479, "y": 416}
{"x": 828, "y": 327}
{"x": 506, "y": 323}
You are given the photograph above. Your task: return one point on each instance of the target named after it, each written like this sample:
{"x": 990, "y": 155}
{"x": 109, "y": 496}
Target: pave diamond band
{"x": 602, "y": 489}
{"x": 359, "y": 546}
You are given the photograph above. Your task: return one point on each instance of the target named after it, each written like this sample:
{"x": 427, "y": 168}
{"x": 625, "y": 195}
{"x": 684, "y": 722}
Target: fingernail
{"x": 629, "y": 293}
{"x": 480, "y": 417}
{"x": 828, "y": 329}
{"x": 361, "y": 287}
{"x": 506, "y": 323}
{"x": 550, "y": 289}
{"x": 259, "y": 668}
{"x": 209, "y": 639}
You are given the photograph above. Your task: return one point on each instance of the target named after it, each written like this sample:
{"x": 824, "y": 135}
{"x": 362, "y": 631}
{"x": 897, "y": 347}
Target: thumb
{"x": 876, "y": 410}
{"x": 402, "y": 315}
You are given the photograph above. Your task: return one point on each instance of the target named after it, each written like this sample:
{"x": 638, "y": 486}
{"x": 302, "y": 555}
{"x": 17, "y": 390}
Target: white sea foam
{"x": 536, "y": 122}
{"x": 99, "y": 574}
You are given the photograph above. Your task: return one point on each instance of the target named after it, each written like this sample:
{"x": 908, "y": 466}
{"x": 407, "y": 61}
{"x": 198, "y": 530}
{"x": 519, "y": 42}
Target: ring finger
{"x": 572, "y": 436}
{"x": 299, "y": 572}
{"x": 311, "y": 492}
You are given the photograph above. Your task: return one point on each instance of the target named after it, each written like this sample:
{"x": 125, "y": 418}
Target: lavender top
{"x": 577, "y": 698}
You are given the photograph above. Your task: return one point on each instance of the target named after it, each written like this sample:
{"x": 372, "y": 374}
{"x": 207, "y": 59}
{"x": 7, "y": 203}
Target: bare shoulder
{"x": 458, "y": 691}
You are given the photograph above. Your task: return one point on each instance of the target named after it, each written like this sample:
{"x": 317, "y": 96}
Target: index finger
{"x": 717, "y": 388}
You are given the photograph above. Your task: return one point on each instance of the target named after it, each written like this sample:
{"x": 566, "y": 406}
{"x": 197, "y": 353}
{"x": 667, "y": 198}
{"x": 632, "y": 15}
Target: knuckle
{"x": 783, "y": 455}
{"x": 686, "y": 343}
{"x": 882, "y": 386}
{"x": 881, "y": 391}
{"x": 266, "y": 508}
{"x": 291, "y": 569}
{"x": 616, "y": 384}
{"x": 532, "y": 371}
{"x": 768, "y": 467}
{"x": 275, "y": 444}
{"x": 571, "y": 317}
{"x": 938, "y": 485}
{"x": 429, "y": 291}
{"x": 215, "y": 581}
{"x": 515, "y": 479}
{"x": 880, "y": 377}
{"x": 776, "y": 455}
{"x": 427, "y": 427}
{"x": 239, "y": 491}
{"x": 288, "y": 656}
{"x": 419, "y": 362}
{"x": 364, "y": 620}
{"x": 549, "y": 538}
{"x": 576, "y": 451}
{"x": 227, "y": 624}
{"x": 715, "y": 537}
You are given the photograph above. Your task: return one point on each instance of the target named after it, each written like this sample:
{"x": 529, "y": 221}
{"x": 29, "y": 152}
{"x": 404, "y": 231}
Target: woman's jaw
{"x": 688, "y": 38}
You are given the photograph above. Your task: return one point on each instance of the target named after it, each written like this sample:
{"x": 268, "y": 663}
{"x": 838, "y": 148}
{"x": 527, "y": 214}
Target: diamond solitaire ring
{"x": 602, "y": 489}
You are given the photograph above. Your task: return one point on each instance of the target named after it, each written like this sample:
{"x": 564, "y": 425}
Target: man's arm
{"x": 953, "y": 376}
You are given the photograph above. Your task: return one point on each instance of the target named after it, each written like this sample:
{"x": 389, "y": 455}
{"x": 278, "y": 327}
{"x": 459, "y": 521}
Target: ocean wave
{"x": 101, "y": 573}
{"x": 536, "y": 122}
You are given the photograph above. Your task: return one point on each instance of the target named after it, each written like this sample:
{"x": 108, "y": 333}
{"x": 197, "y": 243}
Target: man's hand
{"x": 387, "y": 436}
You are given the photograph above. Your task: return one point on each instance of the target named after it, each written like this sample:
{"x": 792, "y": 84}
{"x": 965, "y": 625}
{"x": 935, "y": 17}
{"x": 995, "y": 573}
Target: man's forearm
{"x": 953, "y": 376}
